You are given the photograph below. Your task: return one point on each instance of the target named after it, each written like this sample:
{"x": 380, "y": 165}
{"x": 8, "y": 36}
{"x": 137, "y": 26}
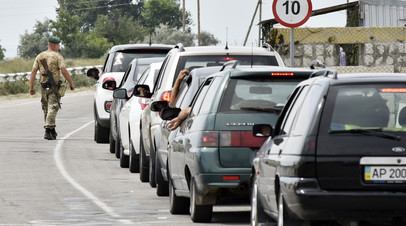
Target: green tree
{"x": 208, "y": 39}
{"x": 163, "y": 12}
{"x": 119, "y": 29}
{"x": 172, "y": 36}
{"x": 31, "y": 44}
{"x": 2, "y": 50}
{"x": 67, "y": 28}
{"x": 96, "y": 45}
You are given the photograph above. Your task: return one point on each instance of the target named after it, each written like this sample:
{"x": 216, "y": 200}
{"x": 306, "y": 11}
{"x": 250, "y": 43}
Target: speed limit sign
{"x": 292, "y": 13}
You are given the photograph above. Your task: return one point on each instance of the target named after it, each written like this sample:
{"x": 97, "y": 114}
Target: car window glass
{"x": 181, "y": 95}
{"x": 123, "y": 58}
{"x": 105, "y": 65}
{"x": 307, "y": 111}
{"x": 200, "y": 97}
{"x": 126, "y": 75}
{"x": 138, "y": 71}
{"x": 292, "y": 112}
{"x": 162, "y": 72}
{"x": 211, "y": 94}
{"x": 368, "y": 106}
{"x": 143, "y": 77}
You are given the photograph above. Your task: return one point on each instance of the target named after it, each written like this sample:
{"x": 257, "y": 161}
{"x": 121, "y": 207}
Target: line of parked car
{"x": 301, "y": 145}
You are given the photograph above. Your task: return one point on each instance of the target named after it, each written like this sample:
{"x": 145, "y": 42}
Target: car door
{"x": 273, "y": 162}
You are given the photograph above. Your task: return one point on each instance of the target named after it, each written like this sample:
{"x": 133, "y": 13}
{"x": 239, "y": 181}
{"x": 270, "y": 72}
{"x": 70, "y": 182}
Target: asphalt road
{"x": 73, "y": 180}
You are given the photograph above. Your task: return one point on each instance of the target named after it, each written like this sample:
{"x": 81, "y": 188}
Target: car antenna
{"x": 226, "y": 38}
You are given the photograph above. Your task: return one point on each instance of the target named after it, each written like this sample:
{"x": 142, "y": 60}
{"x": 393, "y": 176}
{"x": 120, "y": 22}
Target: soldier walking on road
{"x": 50, "y": 80}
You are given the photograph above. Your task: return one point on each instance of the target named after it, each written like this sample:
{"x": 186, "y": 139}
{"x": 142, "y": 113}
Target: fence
{"x": 12, "y": 77}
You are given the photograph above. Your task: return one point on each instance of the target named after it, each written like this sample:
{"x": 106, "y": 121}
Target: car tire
{"x": 162, "y": 186}
{"x": 134, "y": 160}
{"x": 258, "y": 215}
{"x": 101, "y": 134}
{"x": 198, "y": 213}
{"x": 151, "y": 171}
{"x": 177, "y": 205}
{"x": 124, "y": 159}
{"x": 144, "y": 162}
{"x": 112, "y": 144}
{"x": 117, "y": 147}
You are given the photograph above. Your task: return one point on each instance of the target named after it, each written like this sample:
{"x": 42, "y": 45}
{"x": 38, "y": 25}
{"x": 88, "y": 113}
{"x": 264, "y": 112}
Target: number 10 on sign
{"x": 292, "y": 13}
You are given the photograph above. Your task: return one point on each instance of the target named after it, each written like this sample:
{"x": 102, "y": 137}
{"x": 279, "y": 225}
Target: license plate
{"x": 385, "y": 174}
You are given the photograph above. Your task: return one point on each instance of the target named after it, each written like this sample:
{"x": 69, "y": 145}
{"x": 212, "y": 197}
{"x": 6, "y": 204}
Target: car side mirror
{"x": 93, "y": 72}
{"x": 120, "y": 94}
{"x": 142, "y": 91}
{"x": 157, "y": 106}
{"x": 169, "y": 113}
{"x": 262, "y": 130}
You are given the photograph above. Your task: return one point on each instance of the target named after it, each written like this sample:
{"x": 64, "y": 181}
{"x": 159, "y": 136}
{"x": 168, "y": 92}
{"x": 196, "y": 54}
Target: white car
{"x": 130, "y": 115}
{"x": 111, "y": 75}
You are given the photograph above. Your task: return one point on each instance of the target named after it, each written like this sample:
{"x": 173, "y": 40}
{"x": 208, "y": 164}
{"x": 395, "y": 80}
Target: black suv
{"x": 336, "y": 153}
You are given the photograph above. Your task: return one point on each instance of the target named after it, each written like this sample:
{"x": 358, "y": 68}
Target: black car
{"x": 211, "y": 152}
{"x": 336, "y": 153}
{"x": 130, "y": 78}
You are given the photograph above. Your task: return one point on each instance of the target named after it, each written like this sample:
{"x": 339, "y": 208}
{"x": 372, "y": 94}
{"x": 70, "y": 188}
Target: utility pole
{"x": 260, "y": 19}
{"x": 183, "y": 17}
{"x": 252, "y": 21}
{"x": 198, "y": 22}
{"x": 60, "y": 5}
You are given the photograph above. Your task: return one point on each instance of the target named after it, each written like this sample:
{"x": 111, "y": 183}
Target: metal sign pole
{"x": 292, "y": 47}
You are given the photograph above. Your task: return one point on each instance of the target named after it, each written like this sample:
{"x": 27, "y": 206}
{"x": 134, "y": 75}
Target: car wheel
{"x": 151, "y": 170}
{"x": 112, "y": 144}
{"x": 101, "y": 134}
{"x": 144, "y": 177}
{"x": 124, "y": 159}
{"x": 258, "y": 216}
{"x": 198, "y": 213}
{"x": 134, "y": 160}
{"x": 162, "y": 186}
{"x": 117, "y": 147}
{"x": 177, "y": 205}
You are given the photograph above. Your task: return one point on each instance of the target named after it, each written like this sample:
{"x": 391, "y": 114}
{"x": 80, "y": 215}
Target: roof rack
{"x": 180, "y": 47}
{"x": 267, "y": 46}
{"x": 234, "y": 64}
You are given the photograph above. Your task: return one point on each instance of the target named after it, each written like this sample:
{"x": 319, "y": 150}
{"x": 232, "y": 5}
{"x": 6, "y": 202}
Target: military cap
{"x": 54, "y": 40}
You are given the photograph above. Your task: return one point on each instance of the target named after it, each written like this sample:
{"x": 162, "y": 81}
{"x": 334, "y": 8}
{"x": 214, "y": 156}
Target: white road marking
{"x": 88, "y": 194}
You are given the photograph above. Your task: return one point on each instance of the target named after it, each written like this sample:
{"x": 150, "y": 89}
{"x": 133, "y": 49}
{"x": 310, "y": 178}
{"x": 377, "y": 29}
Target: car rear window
{"x": 123, "y": 58}
{"x": 192, "y": 62}
{"x": 369, "y": 106}
{"x": 256, "y": 95}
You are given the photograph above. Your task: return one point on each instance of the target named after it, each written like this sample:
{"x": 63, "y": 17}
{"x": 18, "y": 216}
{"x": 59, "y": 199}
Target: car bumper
{"x": 307, "y": 201}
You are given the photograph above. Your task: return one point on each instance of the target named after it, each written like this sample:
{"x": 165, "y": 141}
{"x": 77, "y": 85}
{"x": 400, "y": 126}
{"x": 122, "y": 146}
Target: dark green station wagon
{"x": 211, "y": 152}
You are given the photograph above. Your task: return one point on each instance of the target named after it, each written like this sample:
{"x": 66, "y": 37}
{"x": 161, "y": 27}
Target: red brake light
{"x": 231, "y": 177}
{"x": 240, "y": 139}
{"x": 143, "y": 102}
{"x": 228, "y": 58}
{"x": 166, "y": 96}
{"x": 282, "y": 74}
{"x": 109, "y": 83}
{"x": 208, "y": 139}
{"x": 393, "y": 90}
{"x": 107, "y": 106}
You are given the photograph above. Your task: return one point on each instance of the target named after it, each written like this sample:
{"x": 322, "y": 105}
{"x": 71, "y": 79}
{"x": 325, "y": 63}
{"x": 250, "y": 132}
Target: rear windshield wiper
{"x": 266, "y": 109}
{"x": 375, "y": 132}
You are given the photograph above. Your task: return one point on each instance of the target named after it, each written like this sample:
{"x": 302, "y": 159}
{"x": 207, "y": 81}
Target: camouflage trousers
{"x": 49, "y": 103}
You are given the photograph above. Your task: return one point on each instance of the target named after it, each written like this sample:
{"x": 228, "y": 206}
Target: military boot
{"x": 53, "y": 133}
{"x": 48, "y": 134}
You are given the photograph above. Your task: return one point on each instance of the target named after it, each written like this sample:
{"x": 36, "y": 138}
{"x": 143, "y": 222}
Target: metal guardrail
{"x": 12, "y": 77}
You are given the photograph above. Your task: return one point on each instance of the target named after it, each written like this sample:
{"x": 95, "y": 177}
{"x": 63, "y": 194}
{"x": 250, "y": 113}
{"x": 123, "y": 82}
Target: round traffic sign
{"x": 292, "y": 13}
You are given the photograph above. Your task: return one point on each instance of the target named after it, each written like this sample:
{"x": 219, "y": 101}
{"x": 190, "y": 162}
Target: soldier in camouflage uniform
{"x": 49, "y": 99}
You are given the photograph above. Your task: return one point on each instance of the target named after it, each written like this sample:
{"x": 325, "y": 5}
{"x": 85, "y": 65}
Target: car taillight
{"x": 107, "y": 106}
{"x": 143, "y": 102}
{"x": 166, "y": 96}
{"x": 228, "y": 58}
{"x": 109, "y": 83}
{"x": 240, "y": 139}
{"x": 208, "y": 139}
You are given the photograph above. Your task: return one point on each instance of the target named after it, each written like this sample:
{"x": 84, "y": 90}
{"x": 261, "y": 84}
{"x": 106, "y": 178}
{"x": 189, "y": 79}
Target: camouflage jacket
{"x": 55, "y": 63}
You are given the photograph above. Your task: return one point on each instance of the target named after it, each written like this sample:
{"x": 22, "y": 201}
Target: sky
{"x": 227, "y": 20}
